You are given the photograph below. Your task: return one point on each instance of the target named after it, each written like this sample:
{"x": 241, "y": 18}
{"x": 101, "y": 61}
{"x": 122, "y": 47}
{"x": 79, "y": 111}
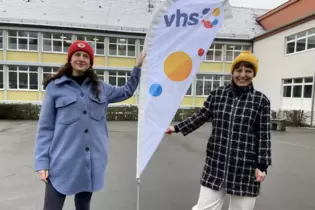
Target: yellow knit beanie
{"x": 248, "y": 57}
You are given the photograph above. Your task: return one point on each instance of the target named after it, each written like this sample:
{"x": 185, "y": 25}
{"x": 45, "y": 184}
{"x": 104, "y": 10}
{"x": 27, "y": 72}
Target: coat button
{"x": 81, "y": 94}
{"x": 84, "y": 112}
{"x": 86, "y": 130}
{"x": 87, "y": 149}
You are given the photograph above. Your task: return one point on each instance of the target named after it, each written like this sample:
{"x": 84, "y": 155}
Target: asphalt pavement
{"x": 171, "y": 179}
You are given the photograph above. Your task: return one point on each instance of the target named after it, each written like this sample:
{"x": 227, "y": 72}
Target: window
{"x": 48, "y": 72}
{"x": 189, "y": 91}
{"x": 23, "y": 78}
{"x": 21, "y": 40}
{"x": 227, "y": 79}
{"x": 122, "y": 47}
{"x": 1, "y": 77}
{"x": 301, "y": 41}
{"x": 100, "y": 74}
{"x": 118, "y": 78}
{"x": 56, "y": 42}
{"x": 1, "y": 39}
{"x": 298, "y": 87}
{"x": 97, "y": 43}
{"x": 215, "y": 53}
{"x": 206, "y": 83}
{"x": 141, "y": 44}
{"x": 232, "y": 51}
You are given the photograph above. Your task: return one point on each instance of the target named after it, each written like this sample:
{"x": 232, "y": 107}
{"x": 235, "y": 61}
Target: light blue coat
{"x": 72, "y": 135}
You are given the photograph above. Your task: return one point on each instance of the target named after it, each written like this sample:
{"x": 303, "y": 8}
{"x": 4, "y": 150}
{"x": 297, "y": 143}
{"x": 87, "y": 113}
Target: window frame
{"x": 61, "y": 39}
{"x": 1, "y": 40}
{"x": 309, "y": 33}
{"x": 204, "y": 80}
{"x": 94, "y": 42}
{"x": 117, "y": 76}
{"x": 213, "y": 48}
{"x": 234, "y": 51}
{"x": 191, "y": 90}
{"x": 120, "y": 44}
{"x": 52, "y": 71}
{"x": 18, "y": 71}
{"x": 18, "y": 37}
{"x": 141, "y": 44}
{"x": 293, "y": 84}
{"x": 126, "y": 77}
{"x": 2, "y": 71}
{"x": 103, "y": 76}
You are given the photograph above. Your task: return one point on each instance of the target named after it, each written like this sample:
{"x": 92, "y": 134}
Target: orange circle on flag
{"x": 178, "y": 66}
{"x": 216, "y": 12}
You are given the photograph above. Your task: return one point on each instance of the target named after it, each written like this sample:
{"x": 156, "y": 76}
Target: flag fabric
{"x": 177, "y": 41}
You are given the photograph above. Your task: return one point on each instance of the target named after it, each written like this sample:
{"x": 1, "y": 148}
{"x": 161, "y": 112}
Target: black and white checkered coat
{"x": 240, "y": 139}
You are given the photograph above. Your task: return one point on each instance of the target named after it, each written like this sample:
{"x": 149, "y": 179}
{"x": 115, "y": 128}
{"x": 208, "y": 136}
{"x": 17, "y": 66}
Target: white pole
{"x": 313, "y": 97}
{"x": 138, "y": 194}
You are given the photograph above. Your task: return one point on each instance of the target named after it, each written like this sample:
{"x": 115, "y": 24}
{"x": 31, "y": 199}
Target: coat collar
{"x": 64, "y": 79}
{"x": 233, "y": 88}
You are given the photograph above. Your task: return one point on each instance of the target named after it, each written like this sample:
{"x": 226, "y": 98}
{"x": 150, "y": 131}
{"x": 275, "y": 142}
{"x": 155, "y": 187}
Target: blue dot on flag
{"x": 155, "y": 90}
{"x": 215, "y": 22}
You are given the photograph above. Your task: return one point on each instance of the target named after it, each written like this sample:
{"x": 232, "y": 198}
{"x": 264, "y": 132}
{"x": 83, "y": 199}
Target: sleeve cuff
{"x": 41, "y": 165}
{"x": 262, "y": 167}
{"x": 137, "y": 68}
{"x": 176, "y": 129}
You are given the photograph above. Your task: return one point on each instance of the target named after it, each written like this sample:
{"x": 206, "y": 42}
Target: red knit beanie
{"x": 80, "y": 45}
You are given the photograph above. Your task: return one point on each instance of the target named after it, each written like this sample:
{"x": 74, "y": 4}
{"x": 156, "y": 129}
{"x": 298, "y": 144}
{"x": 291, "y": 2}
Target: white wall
{"x": 275, "y": 65}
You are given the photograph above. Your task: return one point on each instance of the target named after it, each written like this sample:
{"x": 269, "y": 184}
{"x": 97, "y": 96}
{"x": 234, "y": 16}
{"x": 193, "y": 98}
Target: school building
{"x": 35, "y": 36}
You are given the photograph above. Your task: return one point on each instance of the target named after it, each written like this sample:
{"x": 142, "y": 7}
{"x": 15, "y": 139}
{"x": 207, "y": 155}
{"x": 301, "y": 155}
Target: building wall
{"x": 286, "y": 13}
{"x": 275, "y": 65}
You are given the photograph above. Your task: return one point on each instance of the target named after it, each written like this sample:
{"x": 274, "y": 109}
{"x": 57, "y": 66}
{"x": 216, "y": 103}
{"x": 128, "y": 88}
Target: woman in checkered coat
{"x": 238, "y": 151}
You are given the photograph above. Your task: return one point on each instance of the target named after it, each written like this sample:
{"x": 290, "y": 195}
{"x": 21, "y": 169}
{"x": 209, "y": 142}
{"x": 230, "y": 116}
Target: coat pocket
{"x": 98, "y": 107}
{"x": 67, "y": 110}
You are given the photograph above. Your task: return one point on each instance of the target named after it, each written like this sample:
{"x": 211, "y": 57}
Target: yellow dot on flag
{"x": 178, "y": 66}
{"x": 216, "y": 12}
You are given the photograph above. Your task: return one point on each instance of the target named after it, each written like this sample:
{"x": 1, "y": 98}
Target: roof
{"x": 277, "y": 9}
{"x": 287, "y": 26}
{"x": 113, "y": 15}
{"x": 243, "y": 25}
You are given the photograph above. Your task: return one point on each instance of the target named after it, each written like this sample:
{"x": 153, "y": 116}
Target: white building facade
{"x": 287, "y": 66}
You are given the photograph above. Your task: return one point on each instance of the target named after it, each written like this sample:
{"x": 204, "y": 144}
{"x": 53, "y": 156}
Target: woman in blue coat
{"x": 72, "y": 137}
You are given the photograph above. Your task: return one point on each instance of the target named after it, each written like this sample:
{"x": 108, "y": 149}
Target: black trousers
{"x": 55, "y": 200}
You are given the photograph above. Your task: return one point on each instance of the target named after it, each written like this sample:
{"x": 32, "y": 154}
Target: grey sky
{"x": 265, "y": 4}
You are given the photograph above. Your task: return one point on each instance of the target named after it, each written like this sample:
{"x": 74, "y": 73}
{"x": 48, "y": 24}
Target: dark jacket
{"x": 240, "y": 138}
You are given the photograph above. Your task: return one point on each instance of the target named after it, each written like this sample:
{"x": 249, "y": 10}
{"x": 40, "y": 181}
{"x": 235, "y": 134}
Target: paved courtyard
{"x": 171, "y": 180}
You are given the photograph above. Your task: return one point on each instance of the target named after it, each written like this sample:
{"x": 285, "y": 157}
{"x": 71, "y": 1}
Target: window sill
{"x": 14, "y": 50}
{"x": 209, "y": 61}
{"x": 297, "y": 53}
{"x": 121, "y": 56}
{"x": 62, "y": 53}
{"x": 23, "y": 90}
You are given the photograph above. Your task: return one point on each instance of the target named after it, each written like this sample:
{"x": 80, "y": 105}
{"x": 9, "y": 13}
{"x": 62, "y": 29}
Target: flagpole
{"x": 138, "y": 193}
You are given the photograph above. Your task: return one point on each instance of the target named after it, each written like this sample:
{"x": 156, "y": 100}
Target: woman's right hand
{"x": 43, "y": 175}
{"x": 170, "y": 130}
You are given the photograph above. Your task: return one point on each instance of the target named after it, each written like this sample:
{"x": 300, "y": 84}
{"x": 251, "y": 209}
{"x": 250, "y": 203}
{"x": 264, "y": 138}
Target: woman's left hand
{"x": 260, "y": 176}
{"x": 140, "y": 59}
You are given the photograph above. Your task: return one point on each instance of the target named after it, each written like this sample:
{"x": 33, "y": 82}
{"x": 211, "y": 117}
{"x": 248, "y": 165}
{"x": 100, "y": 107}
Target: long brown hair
{"x": 67, "y": 70}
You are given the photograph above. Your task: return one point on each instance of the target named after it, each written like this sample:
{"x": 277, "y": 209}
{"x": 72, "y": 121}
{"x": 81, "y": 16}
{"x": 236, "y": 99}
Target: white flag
{"x": 180, "y": 34}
